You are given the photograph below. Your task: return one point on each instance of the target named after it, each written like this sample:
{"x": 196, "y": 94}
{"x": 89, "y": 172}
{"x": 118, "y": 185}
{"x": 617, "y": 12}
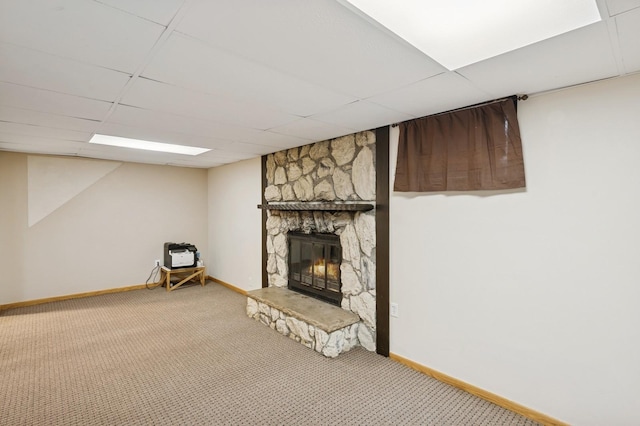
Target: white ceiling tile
{"x": 226, "y": 156}
{"x": 252, "y": 149}
{"x": 432, "y": 95}
{"x": 43, "y": 143}
{"x": 195, "y": 163}
{"x": 572, "y": 58}
{"x": 217, "y": 71}
{"x": 629, "y": 39}
{"x": 114, "y": 156}
{"x": 159, "y": 11}
{"x": 59, "y": 148}
{"x": 362, "y": 115}
{"x": 25, "y": 116}
{"x": 620, "y": 6}
{"x": 161, "y": 121}
{"x": 83, "y": 30}
{"x": 44, "y": 132}
{"x": 12, "y": 146}
{"x": 44, "y": 71}
{"x": 227, "y": 109}
{"x": 313, "y": 129}
{"x": 321, "y": 42}
{"x": 16, "y": 96}
{"x": 278, "y": 140}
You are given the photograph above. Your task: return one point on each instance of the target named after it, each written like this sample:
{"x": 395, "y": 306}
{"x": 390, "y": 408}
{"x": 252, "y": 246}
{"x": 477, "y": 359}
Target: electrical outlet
{"x": 394, "y": 310}
{"x": 157, "y": 262}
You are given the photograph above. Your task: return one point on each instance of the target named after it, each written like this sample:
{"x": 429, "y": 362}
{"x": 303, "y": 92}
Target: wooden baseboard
{"x": 229, "y": 286}
{"x": 70, "y": 296}
{"x": 99, "y": 292}
{"x": 481, "y": 393}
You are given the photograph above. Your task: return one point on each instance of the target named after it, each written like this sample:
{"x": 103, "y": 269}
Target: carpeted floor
{"x": 193, "y": 357}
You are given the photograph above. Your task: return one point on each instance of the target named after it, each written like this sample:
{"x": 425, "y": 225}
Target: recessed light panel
{"x": 146, "y": 145}
{"x": 457, "y": 33}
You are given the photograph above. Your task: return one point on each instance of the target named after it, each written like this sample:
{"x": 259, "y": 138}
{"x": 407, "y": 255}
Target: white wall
{"x": 535, "y": 295}
{"x": 235, "y": 224}
{"x": 95, "y": 231}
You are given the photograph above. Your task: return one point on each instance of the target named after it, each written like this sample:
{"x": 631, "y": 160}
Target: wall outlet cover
{"x": 393, "y": 311}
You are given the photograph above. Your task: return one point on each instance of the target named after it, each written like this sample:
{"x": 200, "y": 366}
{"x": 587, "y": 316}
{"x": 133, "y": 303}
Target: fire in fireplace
{"x": 314, "y": 265}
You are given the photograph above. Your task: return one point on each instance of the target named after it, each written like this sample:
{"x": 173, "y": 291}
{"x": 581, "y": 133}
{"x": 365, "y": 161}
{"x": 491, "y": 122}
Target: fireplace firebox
{"x": 314, "y": 266}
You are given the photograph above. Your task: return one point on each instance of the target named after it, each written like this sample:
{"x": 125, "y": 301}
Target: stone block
{"x": 281, "y": 327}
{"x": 343, "y": 149}
{"x": 350, "y": 245}
{"x": 280, "y": 245}
{"x": 365, "y": 226}
{"x": 280, "y": 158}
{"x": 273, "y": 225}
{"x": 299, "y": 328}
{"x": 308, "y": 165}
{"x": 364, "y": 175}
{"x": 287, "y": 193}
{"x": 293, "y": 154}
{"x": 364, "y": 304}
{"x": 342, "y": 184}
{"x": 365, "y": 138}
{"x": 252, "y": 307}
{"x": 272, "y": 193}
{"x": 271, "y": 168}
{"x": 323, "y": 191}
{"x": 272, "y": 266}
{"x": 351, "y": 284}
{"x": 319, "y": 150}
{"x": 303, "y": 188}
{"x": 293, "y": 172}
{"x": 280, "y": 176}
{"x": 325, "y": 168}
{"x": 366, "y": 338}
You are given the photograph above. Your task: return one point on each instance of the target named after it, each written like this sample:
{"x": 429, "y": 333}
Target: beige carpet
{"x": 192, "y": 357}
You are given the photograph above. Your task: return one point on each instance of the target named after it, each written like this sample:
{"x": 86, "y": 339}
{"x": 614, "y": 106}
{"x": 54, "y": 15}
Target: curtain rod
{"x": 514, "y": 97}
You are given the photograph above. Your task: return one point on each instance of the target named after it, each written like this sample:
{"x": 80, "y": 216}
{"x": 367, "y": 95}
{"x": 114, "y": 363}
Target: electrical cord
{"x": 154, "y": 274}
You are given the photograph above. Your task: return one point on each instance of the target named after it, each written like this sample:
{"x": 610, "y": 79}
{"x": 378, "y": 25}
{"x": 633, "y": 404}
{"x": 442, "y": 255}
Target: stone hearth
{"x": 324, "y": 328}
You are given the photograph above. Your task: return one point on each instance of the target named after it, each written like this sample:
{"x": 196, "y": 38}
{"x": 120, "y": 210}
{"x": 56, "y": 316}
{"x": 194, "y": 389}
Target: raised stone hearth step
{"x": 312, "y": 311}
{"x": 324, "y": 328}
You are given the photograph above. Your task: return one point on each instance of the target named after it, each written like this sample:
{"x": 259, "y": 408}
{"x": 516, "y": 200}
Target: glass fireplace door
{"x": 314, "y": 265}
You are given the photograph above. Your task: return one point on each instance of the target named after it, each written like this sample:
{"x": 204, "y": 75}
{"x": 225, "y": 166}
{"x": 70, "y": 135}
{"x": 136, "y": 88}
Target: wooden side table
{"x": 191, "y": 273}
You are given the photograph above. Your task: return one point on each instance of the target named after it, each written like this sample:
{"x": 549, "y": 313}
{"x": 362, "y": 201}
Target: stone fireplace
{"x": 327, "y": 189}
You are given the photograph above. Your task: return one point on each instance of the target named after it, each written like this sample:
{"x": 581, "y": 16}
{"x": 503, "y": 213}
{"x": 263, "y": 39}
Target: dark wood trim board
{"x": 382, "y": 240}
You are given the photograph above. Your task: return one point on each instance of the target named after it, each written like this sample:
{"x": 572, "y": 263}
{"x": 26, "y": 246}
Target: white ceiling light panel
{"x": 146, "y": 145}
{"x": 457, "y": 33}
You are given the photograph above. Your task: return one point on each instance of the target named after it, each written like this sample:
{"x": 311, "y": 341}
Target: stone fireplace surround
{"x": 339, "y": 171}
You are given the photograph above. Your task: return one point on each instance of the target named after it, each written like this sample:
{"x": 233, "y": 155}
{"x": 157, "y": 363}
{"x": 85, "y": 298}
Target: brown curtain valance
{"x": 470, "y": 149}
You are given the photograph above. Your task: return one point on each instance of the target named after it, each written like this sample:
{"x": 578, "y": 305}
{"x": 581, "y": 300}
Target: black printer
{"x": 180, "y": 255}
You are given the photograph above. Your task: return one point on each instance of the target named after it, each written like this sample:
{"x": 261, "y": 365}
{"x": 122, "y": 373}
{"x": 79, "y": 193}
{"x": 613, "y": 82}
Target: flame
{"x": 318, "y": 269}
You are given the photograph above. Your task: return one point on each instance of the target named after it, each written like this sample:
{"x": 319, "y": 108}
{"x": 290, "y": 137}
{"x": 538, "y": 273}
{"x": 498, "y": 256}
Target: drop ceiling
{"x": 249, "y": 77}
